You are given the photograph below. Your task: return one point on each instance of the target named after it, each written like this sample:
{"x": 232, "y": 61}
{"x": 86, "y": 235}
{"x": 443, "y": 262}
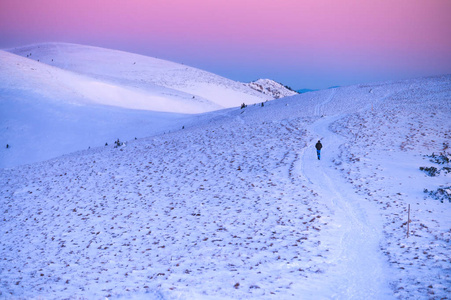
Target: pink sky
{"x": 301, "y": 43}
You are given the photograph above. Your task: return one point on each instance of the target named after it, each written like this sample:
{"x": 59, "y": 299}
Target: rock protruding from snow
{"x": 271, "y": 88}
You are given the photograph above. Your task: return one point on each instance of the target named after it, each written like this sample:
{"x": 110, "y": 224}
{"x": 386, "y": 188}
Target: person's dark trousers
{"x": 319, "y": 154}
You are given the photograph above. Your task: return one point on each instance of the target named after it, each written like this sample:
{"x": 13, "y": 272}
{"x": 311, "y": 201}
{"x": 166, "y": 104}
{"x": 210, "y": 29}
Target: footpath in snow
{"x": 357, "y": 268}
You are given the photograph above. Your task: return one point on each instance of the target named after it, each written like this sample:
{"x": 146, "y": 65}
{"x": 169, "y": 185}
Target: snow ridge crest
{"x": 272, "y": 88}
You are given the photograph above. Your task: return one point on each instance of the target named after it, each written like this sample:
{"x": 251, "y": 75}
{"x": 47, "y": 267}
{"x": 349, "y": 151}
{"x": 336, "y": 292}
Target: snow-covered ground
{"x": 134, "y": 81}
{"x": 236, "y": 205}
{"x": 386, "y": 147}
{"x": 58, "y": 98}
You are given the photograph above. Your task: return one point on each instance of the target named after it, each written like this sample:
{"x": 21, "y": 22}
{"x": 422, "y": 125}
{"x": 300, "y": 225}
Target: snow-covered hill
{"x": 136, "y": 81}
{"x": 237, "y": 206}
{"x": 58, "y": 98}
{"x": 45, "y": 113}
{"x": 271, "y": 88}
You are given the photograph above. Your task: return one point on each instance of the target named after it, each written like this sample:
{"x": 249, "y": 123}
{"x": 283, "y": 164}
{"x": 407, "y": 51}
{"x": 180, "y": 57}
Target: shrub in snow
{"x": 243, "y": 106}
{"x": 441, "y": 194}
{"x": 431, "y": 171}
{"x": 118, "y": 143}
{"x": 7, "y": 146}
{"x": 442, "y": 158}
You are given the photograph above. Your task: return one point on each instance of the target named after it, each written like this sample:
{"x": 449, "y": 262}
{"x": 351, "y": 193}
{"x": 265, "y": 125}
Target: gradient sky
{"x": 300, "y": 43}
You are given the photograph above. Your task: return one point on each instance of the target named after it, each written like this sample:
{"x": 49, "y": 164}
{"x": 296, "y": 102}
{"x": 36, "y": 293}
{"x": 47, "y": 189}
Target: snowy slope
{"x": 44, "y": 113}
{"x": 24, "y": 74}
{"x": 59, "y": 98}
{"x": 236, "y": 205}
{"x": 203, "y": 91}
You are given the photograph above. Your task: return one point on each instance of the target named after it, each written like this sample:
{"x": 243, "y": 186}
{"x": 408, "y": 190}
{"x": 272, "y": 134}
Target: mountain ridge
{"x": 272, "y": 88}
{"x": 141, "y": 74}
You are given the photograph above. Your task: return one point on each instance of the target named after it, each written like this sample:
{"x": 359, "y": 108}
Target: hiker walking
{"x": 318, "y": 147}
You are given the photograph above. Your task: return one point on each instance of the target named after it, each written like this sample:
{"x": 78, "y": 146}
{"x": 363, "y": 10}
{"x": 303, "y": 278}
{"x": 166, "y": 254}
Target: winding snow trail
{"x": 357, "y": 269}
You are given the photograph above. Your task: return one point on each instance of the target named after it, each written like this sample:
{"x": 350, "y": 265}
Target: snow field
{"x": 57, "y": 98}
{"x": 236, "y": 206}
{"x": 182, "y": 213}
{"x": 387, "y": 146}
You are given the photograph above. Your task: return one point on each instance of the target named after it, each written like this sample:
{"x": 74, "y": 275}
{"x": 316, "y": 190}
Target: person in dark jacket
{"x": 318, "y": 147}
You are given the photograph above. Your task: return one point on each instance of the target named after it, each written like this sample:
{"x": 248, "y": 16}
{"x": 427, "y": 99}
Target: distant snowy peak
{"x": 271, "y": 88}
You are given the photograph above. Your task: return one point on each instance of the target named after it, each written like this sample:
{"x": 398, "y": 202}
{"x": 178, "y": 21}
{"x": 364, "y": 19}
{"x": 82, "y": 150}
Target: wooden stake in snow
{"x": 408, "y": 221}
